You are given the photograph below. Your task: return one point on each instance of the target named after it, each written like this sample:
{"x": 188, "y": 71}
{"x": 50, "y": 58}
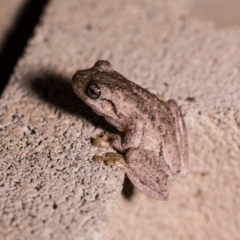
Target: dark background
{"x": 16, "y": 40}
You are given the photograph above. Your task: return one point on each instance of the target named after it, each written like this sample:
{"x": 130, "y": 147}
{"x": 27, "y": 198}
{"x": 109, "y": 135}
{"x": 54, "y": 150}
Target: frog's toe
{"x": 119, "y": 162}
{"x": 112, "y": 158}
{"x": 97, "y": 158}
{"x": 102, "y": 142}
{"x": 155, "y": 92}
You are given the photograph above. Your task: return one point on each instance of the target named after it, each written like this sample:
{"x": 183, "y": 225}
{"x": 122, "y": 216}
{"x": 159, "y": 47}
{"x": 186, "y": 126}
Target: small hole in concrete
{"x": 55, "y": 206}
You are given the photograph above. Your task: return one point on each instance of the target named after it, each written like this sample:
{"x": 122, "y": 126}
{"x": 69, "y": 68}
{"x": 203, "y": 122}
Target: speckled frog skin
{"x": 154, "y": 139}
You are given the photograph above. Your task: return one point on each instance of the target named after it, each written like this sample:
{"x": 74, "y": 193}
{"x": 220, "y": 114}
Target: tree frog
{"x": 151, "y": 145}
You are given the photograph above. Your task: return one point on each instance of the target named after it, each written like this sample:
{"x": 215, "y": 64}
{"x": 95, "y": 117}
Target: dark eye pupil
{"x": 93, "y": 91}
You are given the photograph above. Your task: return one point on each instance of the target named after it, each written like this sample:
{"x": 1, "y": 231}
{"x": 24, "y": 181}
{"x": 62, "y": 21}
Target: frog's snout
{"x": 76, "y": 83}
{"x": 75, "y": 78}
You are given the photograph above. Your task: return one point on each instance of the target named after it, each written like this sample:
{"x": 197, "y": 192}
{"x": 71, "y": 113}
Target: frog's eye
{"x": 93, "y": 91}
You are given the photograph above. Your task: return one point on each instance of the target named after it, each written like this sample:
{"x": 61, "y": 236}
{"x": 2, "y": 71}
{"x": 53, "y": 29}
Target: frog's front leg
{"x": 130, "y": 139}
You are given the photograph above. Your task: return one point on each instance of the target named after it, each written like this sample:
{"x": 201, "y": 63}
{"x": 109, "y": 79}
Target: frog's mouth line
{"x": 118, "y": 114}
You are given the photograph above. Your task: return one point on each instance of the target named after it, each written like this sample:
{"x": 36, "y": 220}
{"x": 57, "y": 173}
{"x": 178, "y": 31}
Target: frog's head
{"x": 100, "y": 88}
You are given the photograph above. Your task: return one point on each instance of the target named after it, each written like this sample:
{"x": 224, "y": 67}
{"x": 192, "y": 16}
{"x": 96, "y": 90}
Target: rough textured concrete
{"x": 51, "y": 189}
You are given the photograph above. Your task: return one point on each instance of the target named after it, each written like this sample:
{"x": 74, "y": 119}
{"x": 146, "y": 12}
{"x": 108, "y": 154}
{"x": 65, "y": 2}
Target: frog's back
{"x": 136, "y": 102}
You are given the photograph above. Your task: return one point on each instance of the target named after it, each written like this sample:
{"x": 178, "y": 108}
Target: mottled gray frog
{"x": 153, "y": 141}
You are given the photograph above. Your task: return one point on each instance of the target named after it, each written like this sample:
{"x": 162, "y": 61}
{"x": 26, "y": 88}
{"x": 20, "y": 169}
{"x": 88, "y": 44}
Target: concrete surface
{"x": 50, "y": 188}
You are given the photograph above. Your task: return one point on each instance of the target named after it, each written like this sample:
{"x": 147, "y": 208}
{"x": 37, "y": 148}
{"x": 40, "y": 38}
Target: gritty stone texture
{"x": 50, "y": 188}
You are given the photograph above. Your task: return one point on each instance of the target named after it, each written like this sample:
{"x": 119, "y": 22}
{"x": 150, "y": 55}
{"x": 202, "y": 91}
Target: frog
{"x": 151, "y": 144}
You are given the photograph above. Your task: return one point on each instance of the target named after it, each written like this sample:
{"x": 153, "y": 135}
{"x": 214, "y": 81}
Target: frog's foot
{"x": 109, "y": 140}
{"x": 112, "y": 158}
{"x": 104, "y": 141}
{"x": 155, "y": 92}
{"x": 159, "y": 96}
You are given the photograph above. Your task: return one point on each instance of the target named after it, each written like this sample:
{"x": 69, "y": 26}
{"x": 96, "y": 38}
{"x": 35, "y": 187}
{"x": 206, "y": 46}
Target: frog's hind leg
{"x": 148, "y": 173}
{"x": 144, "y": 169}
{"x": 181, "y": 134}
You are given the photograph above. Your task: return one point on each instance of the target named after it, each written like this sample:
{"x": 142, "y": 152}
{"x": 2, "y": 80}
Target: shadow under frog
{"x": 57, "y": 90}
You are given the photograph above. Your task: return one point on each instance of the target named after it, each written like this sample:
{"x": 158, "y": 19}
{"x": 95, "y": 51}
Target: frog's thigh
{"x": 148, "y": 173}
